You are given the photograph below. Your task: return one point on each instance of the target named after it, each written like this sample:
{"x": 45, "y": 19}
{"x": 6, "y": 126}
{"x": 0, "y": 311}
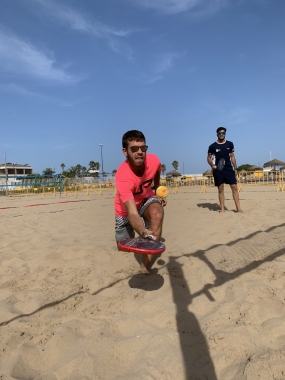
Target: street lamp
{"x": 101, "y": 146}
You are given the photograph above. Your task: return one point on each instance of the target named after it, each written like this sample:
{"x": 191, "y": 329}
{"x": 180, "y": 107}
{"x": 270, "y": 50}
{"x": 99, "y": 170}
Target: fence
{"x": 57, "y": 184}
{"x": 245, "y": 178}
{"x": 52, "y": 184}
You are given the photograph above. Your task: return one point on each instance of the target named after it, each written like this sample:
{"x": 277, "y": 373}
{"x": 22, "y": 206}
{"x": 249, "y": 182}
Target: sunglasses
{"x": 221, "y": 133}
{"x": 136, "y": 148}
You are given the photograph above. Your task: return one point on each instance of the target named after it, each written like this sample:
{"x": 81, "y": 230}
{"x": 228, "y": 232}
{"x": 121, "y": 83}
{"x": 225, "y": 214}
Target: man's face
{"x": 221, "y": 134}
{"x": 135, "y": 152}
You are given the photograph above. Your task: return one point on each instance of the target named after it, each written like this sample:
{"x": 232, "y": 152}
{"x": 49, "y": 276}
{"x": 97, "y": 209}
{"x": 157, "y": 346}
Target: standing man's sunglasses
{"x": 136, "y": 148}
{"x": 221, "y": 133}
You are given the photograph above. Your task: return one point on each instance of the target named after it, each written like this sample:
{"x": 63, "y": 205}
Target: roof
{"x": 10, "y": 165}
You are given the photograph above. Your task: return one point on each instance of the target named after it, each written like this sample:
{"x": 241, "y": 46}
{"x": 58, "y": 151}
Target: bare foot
{"x": 239, "y": 210}
{"x": 222, "y": 211}
{"x": 145, "y": 264}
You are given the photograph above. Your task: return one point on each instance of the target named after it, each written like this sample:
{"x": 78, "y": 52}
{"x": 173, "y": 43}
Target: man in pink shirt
{"x": 137, "y": 209}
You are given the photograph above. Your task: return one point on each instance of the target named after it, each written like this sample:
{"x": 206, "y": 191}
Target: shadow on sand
{"x": 211, "y": 206}
{"x": 197, "y": 360}
{"x": 227, "y": 262}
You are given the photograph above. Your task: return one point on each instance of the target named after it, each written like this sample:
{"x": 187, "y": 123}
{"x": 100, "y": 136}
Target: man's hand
{"x": 150, "y": 234}
{"x": 214, "y": 167}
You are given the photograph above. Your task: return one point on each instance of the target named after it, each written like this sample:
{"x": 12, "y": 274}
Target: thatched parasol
{"x": 274, "y": 163}
{"x": 253, "y": 168}
{"x": 173, "y": 173}
{"x": 243, "y": 172}
{"x": 208, "y": 173}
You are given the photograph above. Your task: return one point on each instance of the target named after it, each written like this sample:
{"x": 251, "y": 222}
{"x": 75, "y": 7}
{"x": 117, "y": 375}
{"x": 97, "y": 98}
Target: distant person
{"x": 137, "y": 209}
{"x": 224, "y": 167}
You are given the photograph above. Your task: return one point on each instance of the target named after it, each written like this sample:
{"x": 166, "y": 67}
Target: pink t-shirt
{"x": 129, "y": 186}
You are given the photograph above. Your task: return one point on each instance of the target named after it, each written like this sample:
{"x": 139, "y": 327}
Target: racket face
{"x": 221, "y": 164}
{"x": 140, "y": 245}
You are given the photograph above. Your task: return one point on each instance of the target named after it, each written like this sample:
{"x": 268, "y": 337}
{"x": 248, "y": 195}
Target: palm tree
{"x": 48, "y": 171}
{"x": 163, "y": 168}
{"x": 72, "y": 171}
{"x": 62, "y": 167}
{"x": 92, "y": 165}
{"x": 175, "y": 164}
{"x": 84, "y": 171}
{"x": 78, "y": 170}
{"x": 114, "y": 172}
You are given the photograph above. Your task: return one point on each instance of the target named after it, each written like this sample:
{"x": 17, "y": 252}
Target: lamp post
{"x": 101, "y": 146}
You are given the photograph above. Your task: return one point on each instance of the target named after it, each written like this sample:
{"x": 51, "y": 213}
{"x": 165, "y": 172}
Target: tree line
{"x": 82, "y": 171}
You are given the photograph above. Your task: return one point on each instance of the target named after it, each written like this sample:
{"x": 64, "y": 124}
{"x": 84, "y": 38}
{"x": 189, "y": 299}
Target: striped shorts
{"x": 123, "y": 229}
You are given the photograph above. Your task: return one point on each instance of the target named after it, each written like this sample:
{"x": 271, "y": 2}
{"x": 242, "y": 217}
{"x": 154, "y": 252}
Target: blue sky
{"x": 77, "y": 73}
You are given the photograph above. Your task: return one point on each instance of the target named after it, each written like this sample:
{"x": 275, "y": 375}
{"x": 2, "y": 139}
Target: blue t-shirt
{"x": 222, "y": 154}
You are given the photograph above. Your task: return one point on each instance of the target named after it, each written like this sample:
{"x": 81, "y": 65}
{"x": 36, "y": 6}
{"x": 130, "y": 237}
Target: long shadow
{"x": 197, "y": 360}
{"x": 251, "y": 257}
{"x": 211, "y": 206}
{"x": 243, "y": 257}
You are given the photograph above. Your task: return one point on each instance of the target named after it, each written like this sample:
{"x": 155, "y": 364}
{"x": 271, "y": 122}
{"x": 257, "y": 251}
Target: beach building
{"x": 10, "y": 173}
{"x": 13, "y": 170}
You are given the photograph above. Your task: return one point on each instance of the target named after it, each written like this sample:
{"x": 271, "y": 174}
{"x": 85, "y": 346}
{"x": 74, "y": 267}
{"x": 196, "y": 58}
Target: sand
{"x": 73, "y": 307}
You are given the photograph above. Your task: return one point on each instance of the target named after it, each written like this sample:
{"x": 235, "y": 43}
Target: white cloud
{"x": 13, "y": 88}
{"x": 153, "y": 80}
{"x": 197, "y": 7}
{"x": 165, "y": 62}
{"x": 77, "y": 21}
{"x": 23, "y": 59}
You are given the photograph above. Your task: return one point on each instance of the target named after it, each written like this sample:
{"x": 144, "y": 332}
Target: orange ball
{"x": 162, "y": 192}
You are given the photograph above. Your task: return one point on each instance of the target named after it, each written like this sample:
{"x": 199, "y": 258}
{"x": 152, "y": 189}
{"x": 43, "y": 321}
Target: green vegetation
{"x": 76, "y": 171}
{"x": 175, "y": 164}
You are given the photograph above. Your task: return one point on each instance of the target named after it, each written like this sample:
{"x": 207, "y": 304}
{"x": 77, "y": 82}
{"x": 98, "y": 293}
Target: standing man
{"x": 137, "y": 209}
{"x": 223, "y": 162}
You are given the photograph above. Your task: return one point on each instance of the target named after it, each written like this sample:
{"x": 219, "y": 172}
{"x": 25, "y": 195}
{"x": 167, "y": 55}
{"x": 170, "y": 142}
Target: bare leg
{"x": 236, "y": 197}
{"x": 222, "y": 197}
{"x": 154, "y": 215}
{"x": 145, "y": 264}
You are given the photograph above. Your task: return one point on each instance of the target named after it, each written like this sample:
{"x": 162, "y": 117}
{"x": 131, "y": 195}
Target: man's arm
{"x": 210, "y": 162}
{"x": 233, "y": 159}
{"x": 135, "y": 219}
{"x": 156, "y": 180}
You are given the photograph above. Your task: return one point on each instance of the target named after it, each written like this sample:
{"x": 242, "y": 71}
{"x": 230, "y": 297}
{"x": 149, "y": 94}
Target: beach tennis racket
{"x": 145, "y": 246}
{"x": 221, "y": 164}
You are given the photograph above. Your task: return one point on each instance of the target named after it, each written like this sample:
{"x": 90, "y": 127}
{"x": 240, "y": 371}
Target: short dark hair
{"x": 131, "y": 136}
{"x": 221, "y": 129}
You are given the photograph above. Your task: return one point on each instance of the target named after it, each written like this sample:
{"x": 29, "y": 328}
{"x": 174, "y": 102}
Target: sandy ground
{"x": 73, "y": 307}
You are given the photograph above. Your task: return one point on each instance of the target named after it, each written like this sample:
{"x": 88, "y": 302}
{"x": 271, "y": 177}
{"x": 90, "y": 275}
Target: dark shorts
{"x": 224, "y": 176}
{"x": 123, "y": 229}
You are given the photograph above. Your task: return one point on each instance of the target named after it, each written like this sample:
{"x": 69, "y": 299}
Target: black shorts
{"x": 226, "y": 176}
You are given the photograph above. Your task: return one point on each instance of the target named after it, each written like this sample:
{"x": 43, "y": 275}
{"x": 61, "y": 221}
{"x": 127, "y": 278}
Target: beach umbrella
{"x": 173, "y": 173}
{"x": 208, "y": 173}
{"x": 254, "y": 168}
{"x": 283, "y": 168}
{"x": 274, "y": 163}
{"x": 242, "y": 172}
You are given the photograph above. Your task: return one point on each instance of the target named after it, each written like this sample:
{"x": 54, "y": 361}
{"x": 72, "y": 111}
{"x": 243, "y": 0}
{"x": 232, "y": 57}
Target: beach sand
{"x": 73, "y": 307}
